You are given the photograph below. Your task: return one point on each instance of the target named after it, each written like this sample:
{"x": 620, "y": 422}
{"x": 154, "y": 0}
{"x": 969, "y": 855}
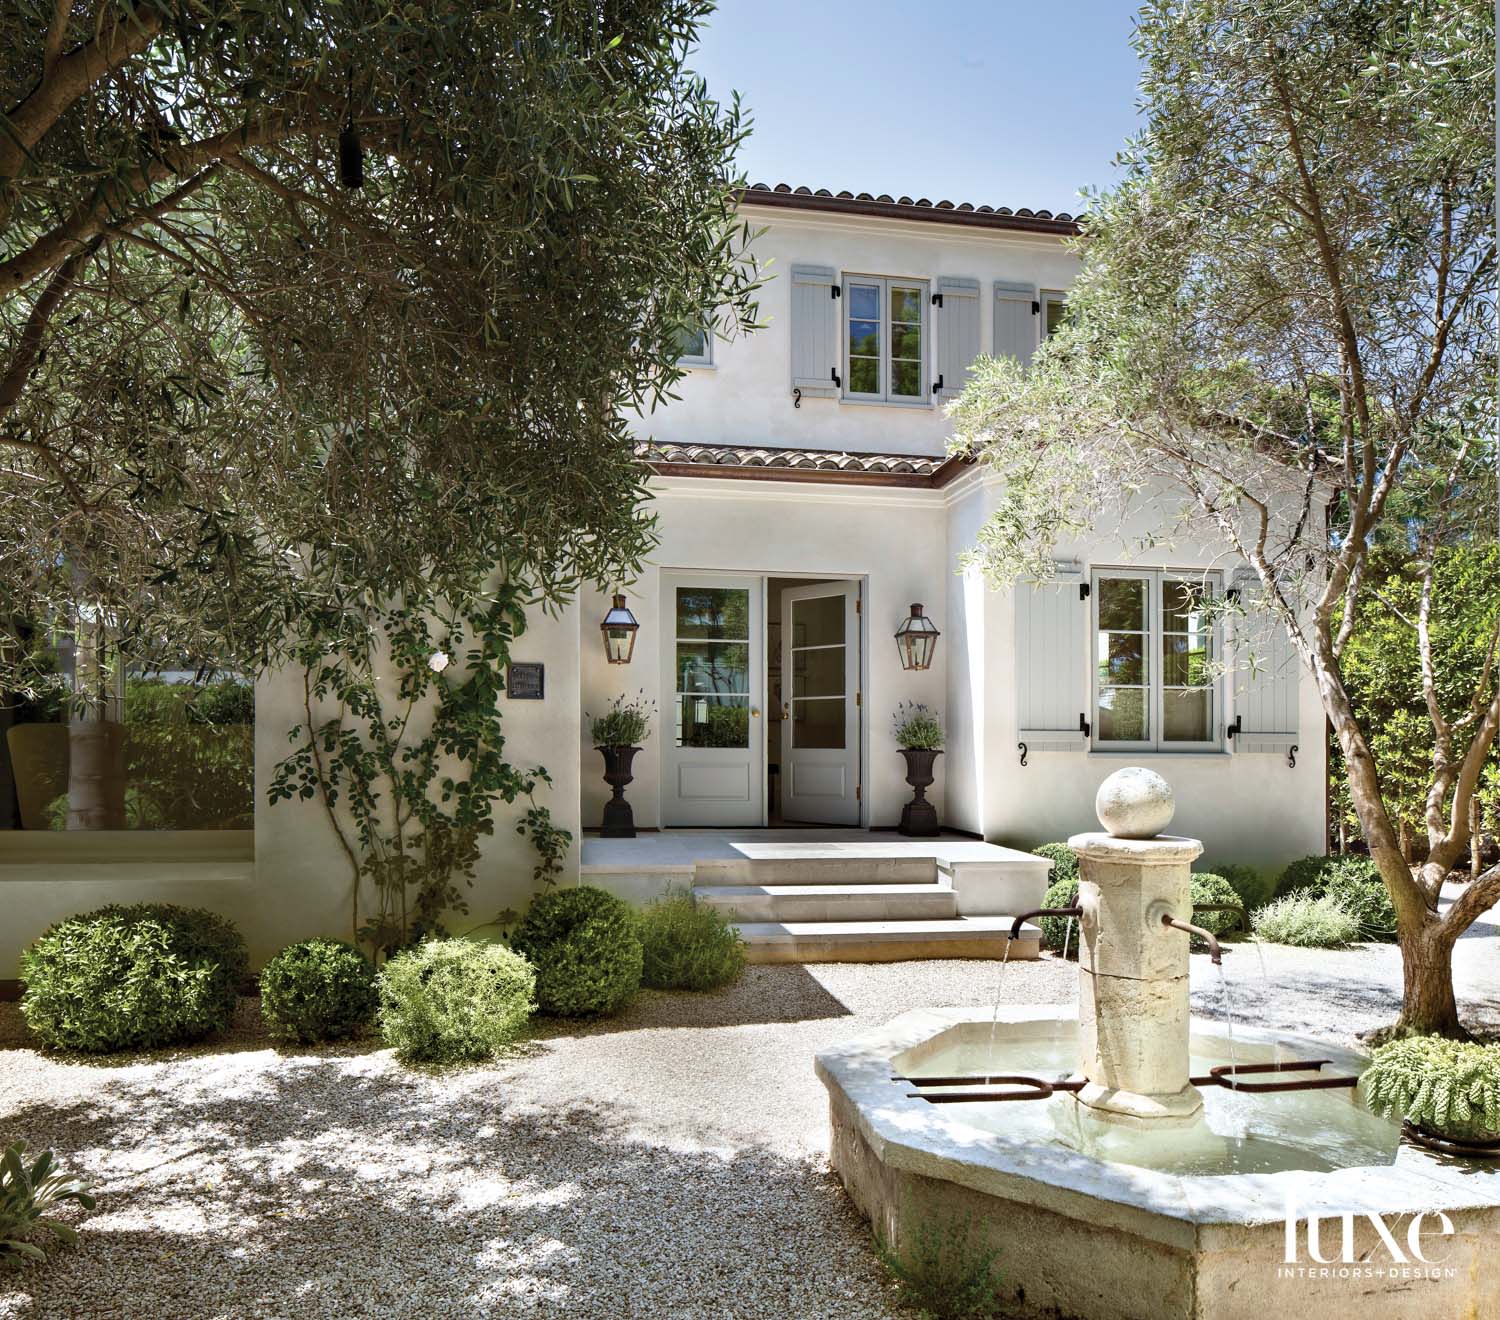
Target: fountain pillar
{"x": 1133, "y": 971}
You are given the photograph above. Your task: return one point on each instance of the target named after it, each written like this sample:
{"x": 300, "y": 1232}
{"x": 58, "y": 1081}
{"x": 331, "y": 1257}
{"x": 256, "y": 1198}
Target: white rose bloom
{"x": 439, "y": 661}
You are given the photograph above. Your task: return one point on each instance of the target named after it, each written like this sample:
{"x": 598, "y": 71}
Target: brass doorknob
{"x": 755, "y": 710}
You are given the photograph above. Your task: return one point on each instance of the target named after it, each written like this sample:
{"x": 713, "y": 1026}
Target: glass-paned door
{"x": 820, "y": 716}
{"x": 712, "y": 730}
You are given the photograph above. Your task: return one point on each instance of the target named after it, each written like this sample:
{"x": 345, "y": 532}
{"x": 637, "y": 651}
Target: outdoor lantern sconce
{"x": 619, "y": 629}
{"x": 916, "y": 640}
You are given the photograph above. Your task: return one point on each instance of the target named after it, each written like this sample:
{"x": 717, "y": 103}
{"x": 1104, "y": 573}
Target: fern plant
{"x": 1448, "y": 1087}
{"x": 26, "y": 1195}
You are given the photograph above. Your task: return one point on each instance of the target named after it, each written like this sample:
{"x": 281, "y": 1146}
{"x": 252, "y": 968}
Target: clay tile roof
{"x": 796, "y": 464}
{"x": 803, "y": 198}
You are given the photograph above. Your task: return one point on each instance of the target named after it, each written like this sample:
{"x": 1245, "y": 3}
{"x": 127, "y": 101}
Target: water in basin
{"x": 1239, "y": 1133}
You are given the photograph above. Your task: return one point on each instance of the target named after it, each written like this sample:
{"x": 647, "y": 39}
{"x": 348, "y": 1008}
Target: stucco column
{"x": 1133, "y": 977}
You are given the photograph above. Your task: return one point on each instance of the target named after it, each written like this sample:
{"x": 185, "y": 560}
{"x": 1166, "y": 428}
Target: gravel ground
{"x": 668, "y": 1163}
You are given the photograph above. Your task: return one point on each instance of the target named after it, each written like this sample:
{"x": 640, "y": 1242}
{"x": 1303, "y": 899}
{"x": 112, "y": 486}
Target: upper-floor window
{"x": 885, "y": 337}
{"x": 1054, "y": 311}
{"x": 1155, "y": 654}
{"x": 695, "y": 348}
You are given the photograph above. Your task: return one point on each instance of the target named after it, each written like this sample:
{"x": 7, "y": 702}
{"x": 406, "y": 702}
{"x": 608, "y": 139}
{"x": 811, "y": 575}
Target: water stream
{"x": 999, "y": 980}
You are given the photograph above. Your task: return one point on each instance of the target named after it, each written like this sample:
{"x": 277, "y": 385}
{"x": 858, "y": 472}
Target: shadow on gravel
{"x": 328, "y": 1187}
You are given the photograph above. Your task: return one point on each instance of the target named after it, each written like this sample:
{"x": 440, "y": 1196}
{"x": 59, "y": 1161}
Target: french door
{"x": 713, "y": 733}
{"x": 820, "y": 715}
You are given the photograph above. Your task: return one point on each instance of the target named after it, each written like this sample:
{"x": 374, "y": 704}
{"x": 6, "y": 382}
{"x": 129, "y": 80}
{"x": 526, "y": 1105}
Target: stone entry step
{"x": 886, "y": 941}
{"x": 836, "y": 902}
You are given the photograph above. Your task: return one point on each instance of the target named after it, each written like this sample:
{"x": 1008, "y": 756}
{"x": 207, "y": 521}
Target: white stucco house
{"x": 805, "y": 502}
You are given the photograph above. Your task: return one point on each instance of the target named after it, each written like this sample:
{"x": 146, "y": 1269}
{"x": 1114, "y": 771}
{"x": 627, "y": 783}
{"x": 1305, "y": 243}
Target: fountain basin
{"x": 1094, "y": 1230}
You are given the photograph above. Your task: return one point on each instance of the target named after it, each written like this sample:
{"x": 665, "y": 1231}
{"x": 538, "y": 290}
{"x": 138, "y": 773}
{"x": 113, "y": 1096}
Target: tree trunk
{"x": 1428, "y": 1004}
{"x": 1476, "y": 839}
{"x": 96, "y": 775}
{"x": 1405, "y": 841}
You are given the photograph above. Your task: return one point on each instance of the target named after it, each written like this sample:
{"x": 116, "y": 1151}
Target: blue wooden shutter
{"x": 957, "y": 320}
{"x": 1017, "y": 313}
{"x": 814, "y": 332}
{"x": 1267, "y": 674}
{"x": 1052, "y": 621}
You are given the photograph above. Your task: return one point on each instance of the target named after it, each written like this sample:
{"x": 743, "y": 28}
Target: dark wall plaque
{"x": 525, "y": 681}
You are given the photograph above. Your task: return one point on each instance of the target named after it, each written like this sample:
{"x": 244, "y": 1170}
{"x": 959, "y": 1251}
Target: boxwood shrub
{"x": 1064, "y": 861}
{"x": 132, "y": 977}
{"x": 317, "y": 990}
{"x": 1060, "y": 893}
{"x": 688, "y": 946}
{"x": 1208, "y": 888}
{"x": 586, "y": 950}
{"x": 454, "y": 1001}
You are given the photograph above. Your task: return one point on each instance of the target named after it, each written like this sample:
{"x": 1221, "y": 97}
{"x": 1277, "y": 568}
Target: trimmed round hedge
{"x": 1209, "y": 888}
{"x": 585, "y": 948}
{"x": 687, "y": 946}
{"x": 1055, "y": 933}
{"x": 454, "y": 1001}
{"x": 317, "y": 990}
{"x": 1064, "y": 861}
{"x": 133, "y": 977}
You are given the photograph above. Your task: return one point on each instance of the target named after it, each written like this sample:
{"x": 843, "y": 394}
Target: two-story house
{"x": 805, "y": 503}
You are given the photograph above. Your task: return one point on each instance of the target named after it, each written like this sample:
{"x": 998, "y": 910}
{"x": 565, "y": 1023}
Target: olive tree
{"x": 1282, "y": 339}
{"x": 319, "y": 303}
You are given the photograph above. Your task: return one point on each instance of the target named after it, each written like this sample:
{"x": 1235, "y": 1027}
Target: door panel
{"x": 820, "y": 720}
{"x": 713, "y": 671}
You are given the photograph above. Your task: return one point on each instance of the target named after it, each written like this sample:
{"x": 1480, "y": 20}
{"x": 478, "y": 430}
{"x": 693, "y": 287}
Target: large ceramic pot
{"x": 619, "y": 820}
{"x": 919, "y": 817}
{"x": 39, "y": 761}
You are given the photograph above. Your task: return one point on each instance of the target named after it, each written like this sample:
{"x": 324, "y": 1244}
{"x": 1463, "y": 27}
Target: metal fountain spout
{"x": 1215, "y": 953}
{"x": 1015, "y": 926}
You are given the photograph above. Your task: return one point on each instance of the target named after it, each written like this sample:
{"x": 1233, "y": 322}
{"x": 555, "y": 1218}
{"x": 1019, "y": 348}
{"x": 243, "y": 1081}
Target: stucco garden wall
{"x": 303, "y": 875}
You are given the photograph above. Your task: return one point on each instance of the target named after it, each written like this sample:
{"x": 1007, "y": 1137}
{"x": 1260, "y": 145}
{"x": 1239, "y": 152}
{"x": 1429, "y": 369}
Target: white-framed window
{"x": 885, "y": 340}
{"x": 1054, "y": 311}
{"x": 695, "y": 348}
{"x": 1156, "y": 643}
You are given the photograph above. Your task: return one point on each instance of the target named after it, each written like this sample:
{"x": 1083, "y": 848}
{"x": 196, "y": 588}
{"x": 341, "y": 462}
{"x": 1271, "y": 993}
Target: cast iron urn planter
{"x": 619, "y": 820}
{"x": 919, "y": 817}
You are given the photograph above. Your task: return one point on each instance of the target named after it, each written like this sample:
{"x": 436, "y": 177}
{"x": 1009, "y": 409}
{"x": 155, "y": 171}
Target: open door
{"x": 820, "y": 714}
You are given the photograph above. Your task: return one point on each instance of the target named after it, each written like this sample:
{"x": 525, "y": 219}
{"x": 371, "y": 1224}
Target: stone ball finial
{"x": 1135, "y": 803}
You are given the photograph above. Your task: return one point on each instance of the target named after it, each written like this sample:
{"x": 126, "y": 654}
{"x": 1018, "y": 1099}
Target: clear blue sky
{"x": 998, "y": 102}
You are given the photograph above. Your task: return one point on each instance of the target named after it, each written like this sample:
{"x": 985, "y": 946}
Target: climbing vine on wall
{"x": 412, "y": 764}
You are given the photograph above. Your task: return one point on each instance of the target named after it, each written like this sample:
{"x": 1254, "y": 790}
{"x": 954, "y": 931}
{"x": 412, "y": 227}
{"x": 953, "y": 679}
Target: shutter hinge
{"x": 859, "y": 792}
{"x": 859, "y": 699}
{"x": 1084, "y": 727}
{"x": 937, "y": 385}
{"x": 1237, "y": 727}
{"x": 859, "y": 605}
{"x": 937, "y": 300}
{"x": 834, "y": 372}
{"x": 1083, "y": 591}
{"x": 1036, "y": 307}
{"x": 834, "y": 291}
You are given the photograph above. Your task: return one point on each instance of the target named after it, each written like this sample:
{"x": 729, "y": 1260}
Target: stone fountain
{"x": 1129, "y": 1162}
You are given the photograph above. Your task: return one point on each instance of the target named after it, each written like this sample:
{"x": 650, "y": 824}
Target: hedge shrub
{"x": 1356, "y": 883}
{"x": 1448, "y": 1087}
{"x": 687, "y": 946}
{"x": 1252, "y": 887}
{"x": 454, "y": 1001}
{"x": 1060, "y": 893}
{"x": 1307, "y": 921}
{"x": 1064, "y": 861}
{"x": 133, "y": 977}
{"x": 585, "y": 948}
{"x": 317, "y": 990}
{"x": 1208, "y": 888}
